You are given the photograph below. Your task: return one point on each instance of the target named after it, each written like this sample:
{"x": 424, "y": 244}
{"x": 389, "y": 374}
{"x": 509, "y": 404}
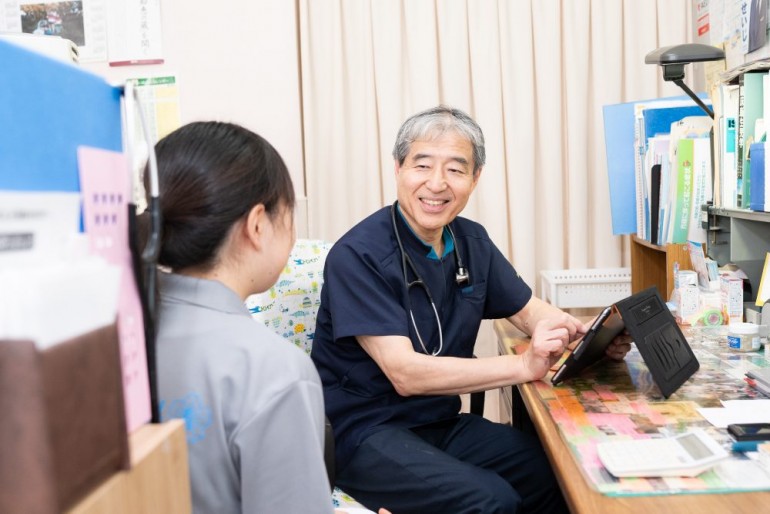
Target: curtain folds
{"x": 534, "y": 74}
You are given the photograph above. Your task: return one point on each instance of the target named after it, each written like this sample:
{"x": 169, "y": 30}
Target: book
{"x": 727, "y": 147}
{"x": 751, "y": 106}
{"x": 682, "y": 199}
{"x": 701, "y": 188}
{"x": 757, "y": 164}
{"x": 620, "y": 132}
{"x": 655, "y": 204}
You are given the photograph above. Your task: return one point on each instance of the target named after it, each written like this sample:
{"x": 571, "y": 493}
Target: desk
{"x": 580, "y": 495}
{"x": 158, "y": 481}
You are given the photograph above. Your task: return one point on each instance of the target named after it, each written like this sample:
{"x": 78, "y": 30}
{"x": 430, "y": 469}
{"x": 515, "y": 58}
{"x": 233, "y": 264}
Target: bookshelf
{"x": 653, "y": 265}
{"x": 741, "y": 237}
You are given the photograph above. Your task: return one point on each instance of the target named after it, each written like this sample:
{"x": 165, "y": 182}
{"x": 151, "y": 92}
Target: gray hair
{"x": 435, "y": 122}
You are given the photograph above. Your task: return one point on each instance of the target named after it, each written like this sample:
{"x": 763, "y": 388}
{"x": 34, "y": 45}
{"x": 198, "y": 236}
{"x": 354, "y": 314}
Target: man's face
{"x": 435, "y": 182}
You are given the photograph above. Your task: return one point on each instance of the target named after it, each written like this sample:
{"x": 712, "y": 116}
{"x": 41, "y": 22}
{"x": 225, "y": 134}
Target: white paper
{"x": 37, "y": 226}
{"x": 135, "y": 32}
{"x": 737, "y": 411}
{"x": 51, "y": 303}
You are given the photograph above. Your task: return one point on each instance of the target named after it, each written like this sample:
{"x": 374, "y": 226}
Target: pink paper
{"x": 105, "y": 186}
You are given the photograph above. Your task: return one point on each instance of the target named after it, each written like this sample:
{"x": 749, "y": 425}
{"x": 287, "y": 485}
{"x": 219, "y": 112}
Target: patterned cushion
{"x": 289, "y": 308}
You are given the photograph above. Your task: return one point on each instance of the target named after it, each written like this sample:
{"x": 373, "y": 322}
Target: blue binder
{"x": 757, "y": 183}
{"x": 48, "y": 108}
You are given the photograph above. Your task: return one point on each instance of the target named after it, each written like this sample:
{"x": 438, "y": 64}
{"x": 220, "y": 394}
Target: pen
{"x": 746, "y": 446}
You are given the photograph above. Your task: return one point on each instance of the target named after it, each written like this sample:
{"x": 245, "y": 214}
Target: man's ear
{"x": 476, "y": 176}
{"x": 256, "y": 225}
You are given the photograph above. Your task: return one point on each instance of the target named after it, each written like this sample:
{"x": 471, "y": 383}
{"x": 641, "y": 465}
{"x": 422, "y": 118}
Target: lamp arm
{"x": 691, "y": 94}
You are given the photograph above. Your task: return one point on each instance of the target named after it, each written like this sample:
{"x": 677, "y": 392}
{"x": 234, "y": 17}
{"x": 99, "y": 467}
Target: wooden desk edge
{"x": 158, "y": 480}
{"x": 581, "y": 496}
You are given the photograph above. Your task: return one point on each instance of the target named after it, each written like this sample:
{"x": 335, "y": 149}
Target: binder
{"x": 64, "y": 426}
{"x": 49, "y": 108}
{"x": 655, "y": 204}
{"x": 757, "y": 185}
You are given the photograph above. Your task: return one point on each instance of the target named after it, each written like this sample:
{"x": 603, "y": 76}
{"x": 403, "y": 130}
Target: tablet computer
{"x": 592, "y": 347}
{"x": 652, "y": 327}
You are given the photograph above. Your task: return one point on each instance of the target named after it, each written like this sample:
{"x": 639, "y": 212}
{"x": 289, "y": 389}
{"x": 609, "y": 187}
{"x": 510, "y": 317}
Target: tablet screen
{"x": 592, "y": 347}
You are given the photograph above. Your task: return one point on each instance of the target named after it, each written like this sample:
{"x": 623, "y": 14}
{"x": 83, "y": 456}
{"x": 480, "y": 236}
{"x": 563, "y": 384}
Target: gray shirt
{"x": 252, "y": 404}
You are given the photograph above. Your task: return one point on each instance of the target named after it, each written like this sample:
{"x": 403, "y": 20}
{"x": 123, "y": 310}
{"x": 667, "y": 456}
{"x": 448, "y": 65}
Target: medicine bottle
{"x": 743, "y": 337}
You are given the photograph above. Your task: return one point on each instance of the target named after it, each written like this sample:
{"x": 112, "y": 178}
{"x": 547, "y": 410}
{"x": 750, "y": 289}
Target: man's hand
{"x": 619, "y": 346}
{"x": 549, "y": 340}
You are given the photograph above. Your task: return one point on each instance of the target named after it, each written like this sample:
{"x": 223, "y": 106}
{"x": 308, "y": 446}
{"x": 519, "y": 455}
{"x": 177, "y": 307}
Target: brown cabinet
{"x": 653, "y": 265}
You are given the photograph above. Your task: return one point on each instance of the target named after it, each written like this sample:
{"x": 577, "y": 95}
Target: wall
{"x": 235, "y": 61}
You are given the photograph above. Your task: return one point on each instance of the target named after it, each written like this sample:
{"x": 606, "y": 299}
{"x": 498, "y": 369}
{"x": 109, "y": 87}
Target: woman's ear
{"x": 255, "y": 226}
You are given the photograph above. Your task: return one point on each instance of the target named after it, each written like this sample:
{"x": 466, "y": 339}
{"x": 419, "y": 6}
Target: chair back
{"x": 289, "y": 308}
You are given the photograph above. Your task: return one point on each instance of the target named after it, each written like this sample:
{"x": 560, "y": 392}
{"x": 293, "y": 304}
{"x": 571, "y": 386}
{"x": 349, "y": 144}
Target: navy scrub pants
{"x": 468, "y": 464}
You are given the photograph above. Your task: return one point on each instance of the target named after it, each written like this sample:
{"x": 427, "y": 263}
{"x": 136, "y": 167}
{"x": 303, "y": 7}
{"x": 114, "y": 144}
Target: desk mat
{"x": 620, "y": 398}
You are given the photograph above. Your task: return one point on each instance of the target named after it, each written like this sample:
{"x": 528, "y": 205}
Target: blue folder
{"x": 48, "y": 108}
{"x": 757, "y": 184}
{"x": 619, "y": 146}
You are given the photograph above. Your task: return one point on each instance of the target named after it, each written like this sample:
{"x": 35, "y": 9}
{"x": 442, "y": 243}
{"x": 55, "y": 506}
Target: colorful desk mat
{"x": 615, "y": 399}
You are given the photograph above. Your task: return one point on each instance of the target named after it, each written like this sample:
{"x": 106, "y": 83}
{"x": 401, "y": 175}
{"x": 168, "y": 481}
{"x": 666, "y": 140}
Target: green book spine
{"x": 684, "y": 160}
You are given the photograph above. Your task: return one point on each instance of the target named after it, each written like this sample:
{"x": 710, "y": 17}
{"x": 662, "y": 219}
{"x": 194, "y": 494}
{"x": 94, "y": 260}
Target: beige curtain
{"x": 534, "y": 74}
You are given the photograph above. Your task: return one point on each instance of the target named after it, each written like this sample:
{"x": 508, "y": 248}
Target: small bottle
{"x": 743, "y": 337}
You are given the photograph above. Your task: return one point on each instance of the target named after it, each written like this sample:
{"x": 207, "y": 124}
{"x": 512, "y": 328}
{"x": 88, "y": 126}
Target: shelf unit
{"x": 741, "y": 237}
{"x": 653, "y": 265}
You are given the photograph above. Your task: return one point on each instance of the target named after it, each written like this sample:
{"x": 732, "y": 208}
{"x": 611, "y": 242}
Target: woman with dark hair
{"x": 252, "y": 403}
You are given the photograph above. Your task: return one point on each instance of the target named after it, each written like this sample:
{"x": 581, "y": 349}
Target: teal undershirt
{"x": 449, "y": 243}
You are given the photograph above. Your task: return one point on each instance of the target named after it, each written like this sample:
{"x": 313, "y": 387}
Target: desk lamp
{"x": 673, "y": 60}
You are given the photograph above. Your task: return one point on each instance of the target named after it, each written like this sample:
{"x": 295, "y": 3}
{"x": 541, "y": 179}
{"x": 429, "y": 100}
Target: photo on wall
{"x": 64, "y": 19}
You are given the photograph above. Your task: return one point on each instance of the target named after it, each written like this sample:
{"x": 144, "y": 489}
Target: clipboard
{"x": 653, "y": 329}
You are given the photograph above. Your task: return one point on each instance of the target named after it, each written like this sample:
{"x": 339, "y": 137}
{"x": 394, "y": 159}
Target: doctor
{"x": 404, "y": 295}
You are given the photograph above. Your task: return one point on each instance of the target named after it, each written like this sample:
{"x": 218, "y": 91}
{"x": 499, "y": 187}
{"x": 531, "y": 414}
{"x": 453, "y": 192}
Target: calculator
{"x": 684, "y": 455}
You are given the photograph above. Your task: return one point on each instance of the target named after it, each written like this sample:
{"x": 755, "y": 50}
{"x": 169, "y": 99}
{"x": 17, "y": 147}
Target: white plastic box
{"x": 598, "y": 287}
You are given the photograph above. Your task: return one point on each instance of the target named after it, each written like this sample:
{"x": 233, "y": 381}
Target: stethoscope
{"x": 461, "y": 277}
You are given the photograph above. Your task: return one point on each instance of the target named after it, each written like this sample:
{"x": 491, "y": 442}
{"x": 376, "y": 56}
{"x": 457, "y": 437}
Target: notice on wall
{"x": 158, "y": 99}
{"x": 135, "y": 33}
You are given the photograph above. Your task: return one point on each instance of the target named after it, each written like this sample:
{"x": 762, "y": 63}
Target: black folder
{"x": 655, "y": 332}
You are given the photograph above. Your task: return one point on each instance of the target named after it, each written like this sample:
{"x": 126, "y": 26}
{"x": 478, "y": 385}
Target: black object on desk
{"x": 655, "y": 332}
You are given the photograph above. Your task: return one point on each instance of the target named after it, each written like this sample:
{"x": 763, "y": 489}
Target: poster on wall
{"x": 159, "y": 103}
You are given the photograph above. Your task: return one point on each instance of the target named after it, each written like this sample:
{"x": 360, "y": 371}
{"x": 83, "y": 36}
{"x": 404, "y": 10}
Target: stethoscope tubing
{"x": 461, "y": 276}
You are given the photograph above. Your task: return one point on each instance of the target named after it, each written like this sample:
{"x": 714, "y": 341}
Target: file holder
{"x": 656, "y": 334}
{"x": 64, "y": 426}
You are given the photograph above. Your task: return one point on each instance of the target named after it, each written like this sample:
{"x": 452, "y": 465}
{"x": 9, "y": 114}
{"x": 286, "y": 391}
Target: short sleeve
{"x": 360, "y": 298}
{"x": 507, "y": 293}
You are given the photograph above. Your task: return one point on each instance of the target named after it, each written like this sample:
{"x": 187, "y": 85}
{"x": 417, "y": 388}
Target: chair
{"x": 290, "y": 307}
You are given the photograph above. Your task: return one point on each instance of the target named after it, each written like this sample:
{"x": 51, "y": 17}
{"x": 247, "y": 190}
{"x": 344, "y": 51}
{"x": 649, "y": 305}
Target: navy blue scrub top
{"x": 364, "y": 294}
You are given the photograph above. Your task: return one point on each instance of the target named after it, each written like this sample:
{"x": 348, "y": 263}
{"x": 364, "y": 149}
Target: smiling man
{"x": 404, "y": 294}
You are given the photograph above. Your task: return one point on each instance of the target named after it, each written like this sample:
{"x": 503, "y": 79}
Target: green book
{"x": 684, "y": 188}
